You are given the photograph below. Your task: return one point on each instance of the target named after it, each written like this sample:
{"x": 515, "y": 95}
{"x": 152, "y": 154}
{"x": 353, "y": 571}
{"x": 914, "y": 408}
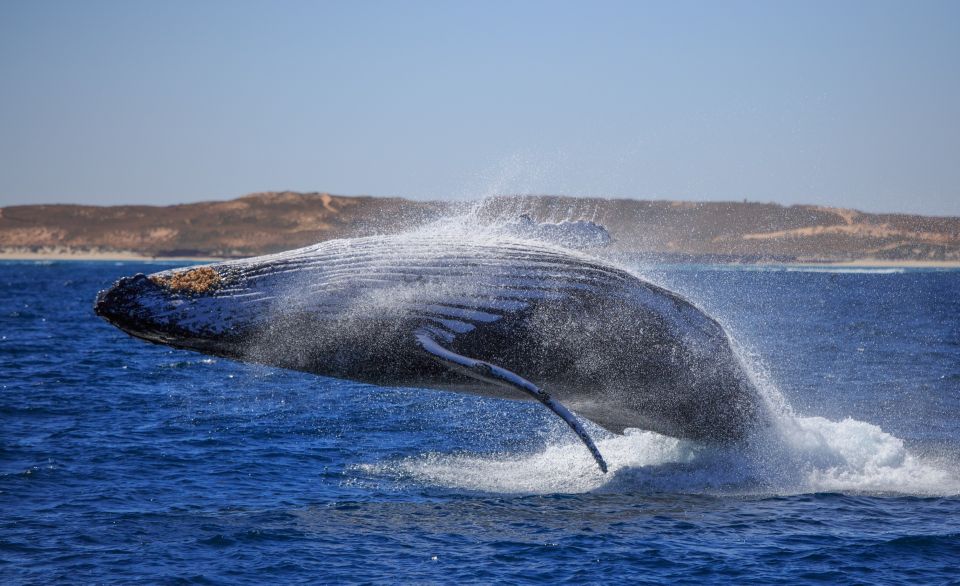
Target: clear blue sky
{"x": 853, "y": 104}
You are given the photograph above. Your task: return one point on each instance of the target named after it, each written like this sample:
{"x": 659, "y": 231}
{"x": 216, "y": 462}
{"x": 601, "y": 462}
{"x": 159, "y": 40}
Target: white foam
{"x": 801, "y": 455}
{"x": 855, "y": 456}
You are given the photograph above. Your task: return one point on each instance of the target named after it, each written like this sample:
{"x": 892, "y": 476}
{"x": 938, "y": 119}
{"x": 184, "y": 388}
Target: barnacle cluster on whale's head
{"x": 197, "y": 280}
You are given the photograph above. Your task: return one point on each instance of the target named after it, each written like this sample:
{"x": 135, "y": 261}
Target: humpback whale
{"x": 493, "y": 315}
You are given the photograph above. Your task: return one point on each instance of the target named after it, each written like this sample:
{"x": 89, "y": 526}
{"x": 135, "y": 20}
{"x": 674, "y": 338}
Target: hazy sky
{"x": 843, "y": 103}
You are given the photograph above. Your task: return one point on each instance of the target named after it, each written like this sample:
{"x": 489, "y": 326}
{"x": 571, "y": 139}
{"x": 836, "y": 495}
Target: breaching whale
{"x": 492, "y": 315}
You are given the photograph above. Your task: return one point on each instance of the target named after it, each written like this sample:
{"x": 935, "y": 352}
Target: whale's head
{"x": 207, "y": 308}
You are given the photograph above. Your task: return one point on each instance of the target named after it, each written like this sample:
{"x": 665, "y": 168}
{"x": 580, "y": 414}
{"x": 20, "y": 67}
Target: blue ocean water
{"x": 121, "y": 461}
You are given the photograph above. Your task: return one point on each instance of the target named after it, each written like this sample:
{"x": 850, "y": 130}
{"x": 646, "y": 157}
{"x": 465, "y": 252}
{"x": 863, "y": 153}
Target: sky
{"x": 852, "y": 104}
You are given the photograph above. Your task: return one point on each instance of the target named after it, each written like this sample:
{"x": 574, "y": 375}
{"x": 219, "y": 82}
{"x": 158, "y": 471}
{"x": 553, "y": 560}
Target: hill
{"x": 270, "y": 222}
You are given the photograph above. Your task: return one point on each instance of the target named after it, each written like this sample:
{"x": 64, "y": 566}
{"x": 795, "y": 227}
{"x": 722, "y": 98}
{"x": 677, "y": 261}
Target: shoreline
{"x": 878, "y": 263}
{"x": 99, "y": 256}
{"x": 131, "y": 256}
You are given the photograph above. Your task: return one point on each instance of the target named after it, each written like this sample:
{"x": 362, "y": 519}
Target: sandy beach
{"x": 122, "y": 255}
{"x": 882, "y": 263}
{"x": 129, "y": 255}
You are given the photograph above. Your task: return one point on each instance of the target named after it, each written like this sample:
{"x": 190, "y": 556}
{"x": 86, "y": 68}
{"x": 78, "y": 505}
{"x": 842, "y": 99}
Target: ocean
{"x": 124, "y": 462}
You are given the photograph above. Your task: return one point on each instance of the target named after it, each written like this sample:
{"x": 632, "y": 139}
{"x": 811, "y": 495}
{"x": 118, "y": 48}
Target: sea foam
{"x": 800, "y": 455}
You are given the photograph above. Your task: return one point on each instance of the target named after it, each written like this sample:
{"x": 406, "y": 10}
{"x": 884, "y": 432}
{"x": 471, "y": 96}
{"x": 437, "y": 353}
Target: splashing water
{"x": 802, "y": 455}
{"x": 797, "y": 455}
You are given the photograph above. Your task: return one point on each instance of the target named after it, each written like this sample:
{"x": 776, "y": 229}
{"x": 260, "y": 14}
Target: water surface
{"x": 122, "y": 461}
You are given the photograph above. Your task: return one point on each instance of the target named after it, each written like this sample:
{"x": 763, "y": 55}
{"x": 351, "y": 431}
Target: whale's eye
{"x": 199, "y": 280}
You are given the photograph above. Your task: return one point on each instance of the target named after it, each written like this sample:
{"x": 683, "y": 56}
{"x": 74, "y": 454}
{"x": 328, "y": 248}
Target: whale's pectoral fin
{"x": 491, "y": 373}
